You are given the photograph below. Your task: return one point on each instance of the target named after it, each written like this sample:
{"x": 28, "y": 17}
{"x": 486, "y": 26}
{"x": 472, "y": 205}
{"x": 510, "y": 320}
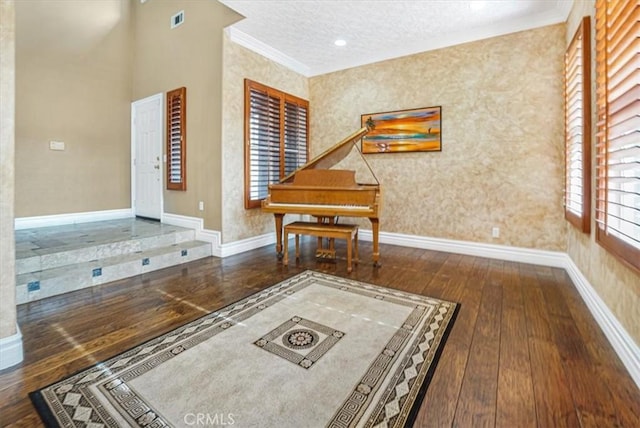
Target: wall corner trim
{"x": 11, "y": 350}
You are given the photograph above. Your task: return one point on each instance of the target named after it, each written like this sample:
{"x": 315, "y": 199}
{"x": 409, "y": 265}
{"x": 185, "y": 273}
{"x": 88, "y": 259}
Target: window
{"x": 177, "y": 139}
{"x": 618, "y": 129}
{"x": 276, "y": 138}
{"x": 577, "y": 125}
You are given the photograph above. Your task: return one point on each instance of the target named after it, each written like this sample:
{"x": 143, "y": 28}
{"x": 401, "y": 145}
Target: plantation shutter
{"x": 295, "y": 137}
{"x": 618, "y": 128}
{"x": 577, "y": 122}
{"x": 264, "y": 142}
{"x": 176, "y": 139}
{"x": 276, "y": 138}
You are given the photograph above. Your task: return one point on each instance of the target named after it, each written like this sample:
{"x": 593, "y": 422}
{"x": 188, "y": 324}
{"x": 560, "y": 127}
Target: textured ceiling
{"x": 301, "y": 33}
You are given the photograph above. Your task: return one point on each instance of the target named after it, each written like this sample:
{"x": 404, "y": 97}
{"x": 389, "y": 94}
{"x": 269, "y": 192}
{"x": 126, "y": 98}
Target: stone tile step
{"x": 33, "y": 286}
{"x": 37, "y": 260}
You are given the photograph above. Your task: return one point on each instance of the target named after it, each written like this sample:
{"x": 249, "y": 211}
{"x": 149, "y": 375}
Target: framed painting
{"x": 415, "y": 130}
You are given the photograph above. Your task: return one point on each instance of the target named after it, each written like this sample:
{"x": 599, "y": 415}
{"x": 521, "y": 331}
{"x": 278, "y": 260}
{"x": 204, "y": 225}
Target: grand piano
{"x": 317, "y": 190}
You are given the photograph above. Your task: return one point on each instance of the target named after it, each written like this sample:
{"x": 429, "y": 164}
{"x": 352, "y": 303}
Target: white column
{"x": 10, "y": 337}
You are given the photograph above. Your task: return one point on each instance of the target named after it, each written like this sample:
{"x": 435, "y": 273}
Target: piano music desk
{"x": 348, "y": 232}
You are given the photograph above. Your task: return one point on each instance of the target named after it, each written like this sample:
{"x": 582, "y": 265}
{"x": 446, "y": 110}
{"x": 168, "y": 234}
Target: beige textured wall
{"x": 241, "y": 63}
{"x": 617, "y": 285}
{"x": 73, "y": 84}
{"x": 191, "y": 56}
{"x": 7, "y": 112}
{"x": 502, "y": 135}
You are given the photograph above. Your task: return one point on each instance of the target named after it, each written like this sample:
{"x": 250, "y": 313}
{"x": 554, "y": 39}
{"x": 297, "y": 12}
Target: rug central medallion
{"x": 302, "y": 346}
{"x": 300, "y": 339}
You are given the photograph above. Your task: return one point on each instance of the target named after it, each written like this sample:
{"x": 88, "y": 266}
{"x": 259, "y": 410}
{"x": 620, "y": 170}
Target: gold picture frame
{"x": 413, "y": 130}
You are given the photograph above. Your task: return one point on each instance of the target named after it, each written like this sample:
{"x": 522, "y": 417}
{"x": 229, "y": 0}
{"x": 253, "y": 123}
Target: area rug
{"x": 314, "y": 350}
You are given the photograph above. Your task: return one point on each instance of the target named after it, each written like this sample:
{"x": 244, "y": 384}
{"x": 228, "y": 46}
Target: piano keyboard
{"x": 322, "y": 206}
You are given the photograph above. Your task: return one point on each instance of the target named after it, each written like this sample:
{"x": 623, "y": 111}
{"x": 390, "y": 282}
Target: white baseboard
{"x": 197, "y": 224}
{"x": 71, "y": 218}
{"x": 622, "y": 343}
{"x": 214, "y": 237}
{"x": 502, "y": 252}
{"x": 194, "y": 223}
{"x": 248, "y": 244}
{"x": 11, "y": 350}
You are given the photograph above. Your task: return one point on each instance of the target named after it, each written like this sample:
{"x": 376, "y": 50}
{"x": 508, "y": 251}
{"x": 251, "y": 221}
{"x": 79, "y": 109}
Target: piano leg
{"x": 279, "y": 218}
{"x": 375, "y": 228}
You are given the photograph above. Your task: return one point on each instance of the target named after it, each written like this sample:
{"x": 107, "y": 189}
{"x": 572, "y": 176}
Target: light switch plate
{"x": 56, "y": 145}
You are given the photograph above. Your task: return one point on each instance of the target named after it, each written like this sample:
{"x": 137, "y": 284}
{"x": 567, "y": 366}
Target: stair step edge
{"x": 60, "y": 280}
{"x": 39, "y": 262}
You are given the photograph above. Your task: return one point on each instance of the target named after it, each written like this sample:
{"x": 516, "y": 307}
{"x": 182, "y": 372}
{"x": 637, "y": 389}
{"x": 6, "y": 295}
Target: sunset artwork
{"x": 416, "y": 130}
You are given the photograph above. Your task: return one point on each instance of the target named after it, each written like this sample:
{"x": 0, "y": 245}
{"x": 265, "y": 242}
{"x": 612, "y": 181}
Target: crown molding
{"x": 267, "y": 51}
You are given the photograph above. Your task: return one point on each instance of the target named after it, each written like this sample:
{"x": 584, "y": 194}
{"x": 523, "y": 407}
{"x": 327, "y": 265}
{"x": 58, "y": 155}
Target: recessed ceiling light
{"x": 340, "y": 42}
{"x": 477, "y": 4}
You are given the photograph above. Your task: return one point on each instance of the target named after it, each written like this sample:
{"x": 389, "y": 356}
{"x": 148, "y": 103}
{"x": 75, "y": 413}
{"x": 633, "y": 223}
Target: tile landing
{"x": 58, "y": 259}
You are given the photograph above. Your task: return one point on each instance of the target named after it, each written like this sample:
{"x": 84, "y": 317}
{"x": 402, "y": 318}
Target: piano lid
{"x": 333, "y": 155}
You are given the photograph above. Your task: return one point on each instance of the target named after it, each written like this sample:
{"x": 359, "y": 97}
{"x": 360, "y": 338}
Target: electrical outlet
{"x": 495, "y": 232}
{"x": 201, "y": 205}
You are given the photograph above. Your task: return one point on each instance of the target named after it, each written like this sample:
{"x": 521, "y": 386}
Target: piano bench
{"x": 348, "y": 232}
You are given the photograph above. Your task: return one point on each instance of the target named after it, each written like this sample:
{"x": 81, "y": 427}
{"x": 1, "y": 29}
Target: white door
{"x": 146, "y": 157}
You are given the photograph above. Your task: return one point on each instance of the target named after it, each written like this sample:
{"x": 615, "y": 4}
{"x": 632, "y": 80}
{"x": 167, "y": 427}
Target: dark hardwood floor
{"x": 524, "y": 350}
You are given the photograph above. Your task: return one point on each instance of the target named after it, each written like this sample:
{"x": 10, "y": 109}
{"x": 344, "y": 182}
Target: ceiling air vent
{"x": 177, "y": 19}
